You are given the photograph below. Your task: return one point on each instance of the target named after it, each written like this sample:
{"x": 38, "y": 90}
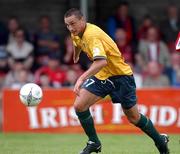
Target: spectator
{"x": 44, "y": 81}
{"x": 23, "y": 77}
{"x": 147, "y": 22}
{"x": 13, "y": 25}
{"x": 154, "y": 49}
{"x": 138, "y": 80}
{"x": 3, "y": 65}
{"x": 46, "y": 41}
{"x": 3, "y": 34}
{"x": 154, "y": 76}
{"x": 122, "y": 19}
{"x": 123, "y": 45}
{"x": 176, "y": 79}
{"x": 137, "y": 77}
{"x": 173, "y": 71}
{"x": 20, "y": 50}
{"x": 72, "y": 76}
{"x": 77, "y": 69}
{"x": 53, "y": 70}
{"x": 18, "y": 76}
{"x": 171, "y": 26}
{"x": 140, "y": 65}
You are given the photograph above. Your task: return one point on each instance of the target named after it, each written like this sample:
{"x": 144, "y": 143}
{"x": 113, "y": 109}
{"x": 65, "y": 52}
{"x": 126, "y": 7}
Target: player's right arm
{"x": 77, "y": 49}
{"x": 76, "y": 54}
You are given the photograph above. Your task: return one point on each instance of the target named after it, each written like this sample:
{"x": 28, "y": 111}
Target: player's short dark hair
{"x": 75, "y": 12}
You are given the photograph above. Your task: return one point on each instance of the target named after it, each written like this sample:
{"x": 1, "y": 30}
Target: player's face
{"x": 74, "y": 24}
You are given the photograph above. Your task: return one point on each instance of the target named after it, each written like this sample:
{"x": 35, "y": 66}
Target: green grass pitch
{"x": 73, "y": 143}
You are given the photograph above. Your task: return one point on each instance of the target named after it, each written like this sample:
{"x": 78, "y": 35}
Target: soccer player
{"x": 107, "y": 75}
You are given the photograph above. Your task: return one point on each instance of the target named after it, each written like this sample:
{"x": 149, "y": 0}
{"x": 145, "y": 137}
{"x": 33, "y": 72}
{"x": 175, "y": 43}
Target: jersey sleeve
{"x": 97, "y": 49}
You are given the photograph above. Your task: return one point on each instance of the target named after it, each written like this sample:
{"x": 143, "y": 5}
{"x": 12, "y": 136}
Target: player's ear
{"x": 83, "y": 19}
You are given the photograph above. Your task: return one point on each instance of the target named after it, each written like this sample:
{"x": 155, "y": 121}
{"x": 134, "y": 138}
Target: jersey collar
{"x": 81, "y": 34}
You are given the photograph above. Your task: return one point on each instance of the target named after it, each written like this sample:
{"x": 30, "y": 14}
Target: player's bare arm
{"x": 76, "y": 54}
{"x": 96, "y": 66}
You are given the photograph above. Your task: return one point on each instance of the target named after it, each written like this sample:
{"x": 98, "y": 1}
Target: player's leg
{"x": 147, "y": 126}
{"x": 81, "y": 106}
{"x": 125, "y": 93}
{"x": 92, "y": 91}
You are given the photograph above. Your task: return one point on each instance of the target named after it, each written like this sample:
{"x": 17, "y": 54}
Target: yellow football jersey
{"x": 97, "y": 44}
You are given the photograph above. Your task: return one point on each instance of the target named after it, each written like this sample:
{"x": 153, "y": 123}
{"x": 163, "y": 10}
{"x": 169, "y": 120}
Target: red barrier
{"x": 56, "y": 114}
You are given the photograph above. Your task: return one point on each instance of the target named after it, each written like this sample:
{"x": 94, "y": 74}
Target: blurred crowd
{"x": 42, "y": 57}
{"x": 38, "y": 57}
{"x": 149, "y": 47}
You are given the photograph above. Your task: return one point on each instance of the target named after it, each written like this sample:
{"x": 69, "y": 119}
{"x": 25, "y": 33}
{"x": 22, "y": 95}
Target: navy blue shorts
{"x": 121, "y": 89}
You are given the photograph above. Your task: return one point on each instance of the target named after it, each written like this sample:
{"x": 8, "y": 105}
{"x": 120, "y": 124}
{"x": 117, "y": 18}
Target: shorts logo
{"x": 88, "y": 82}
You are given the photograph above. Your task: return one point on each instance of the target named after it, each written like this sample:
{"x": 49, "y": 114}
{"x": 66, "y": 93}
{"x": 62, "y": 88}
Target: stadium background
{"x": 98, "y": 11}
{"x": 29, "y": 13}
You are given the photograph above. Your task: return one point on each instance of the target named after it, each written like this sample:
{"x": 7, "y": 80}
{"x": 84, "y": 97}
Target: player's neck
{"x": 81, "y": 34}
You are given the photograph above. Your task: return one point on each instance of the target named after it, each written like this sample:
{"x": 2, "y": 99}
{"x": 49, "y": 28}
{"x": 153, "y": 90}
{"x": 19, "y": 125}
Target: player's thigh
{"x": 84, "y": 100}
{"x": 125, "y": 92}
{"x": 132, "y": 114}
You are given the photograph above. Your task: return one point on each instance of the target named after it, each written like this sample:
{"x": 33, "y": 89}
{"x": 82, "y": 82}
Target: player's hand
{"x": 75, "y": 59}
{"x": 77, "y": 86}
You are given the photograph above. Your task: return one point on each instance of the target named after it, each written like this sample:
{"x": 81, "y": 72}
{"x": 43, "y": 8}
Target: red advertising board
{"x": 56, "y": 114}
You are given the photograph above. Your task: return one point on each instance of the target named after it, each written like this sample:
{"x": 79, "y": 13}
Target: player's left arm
{"x": 100, "y": 61}
{"x": 95, "y": 67}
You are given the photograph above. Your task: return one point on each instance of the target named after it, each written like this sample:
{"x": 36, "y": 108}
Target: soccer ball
{"x": 30, "y": 94}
